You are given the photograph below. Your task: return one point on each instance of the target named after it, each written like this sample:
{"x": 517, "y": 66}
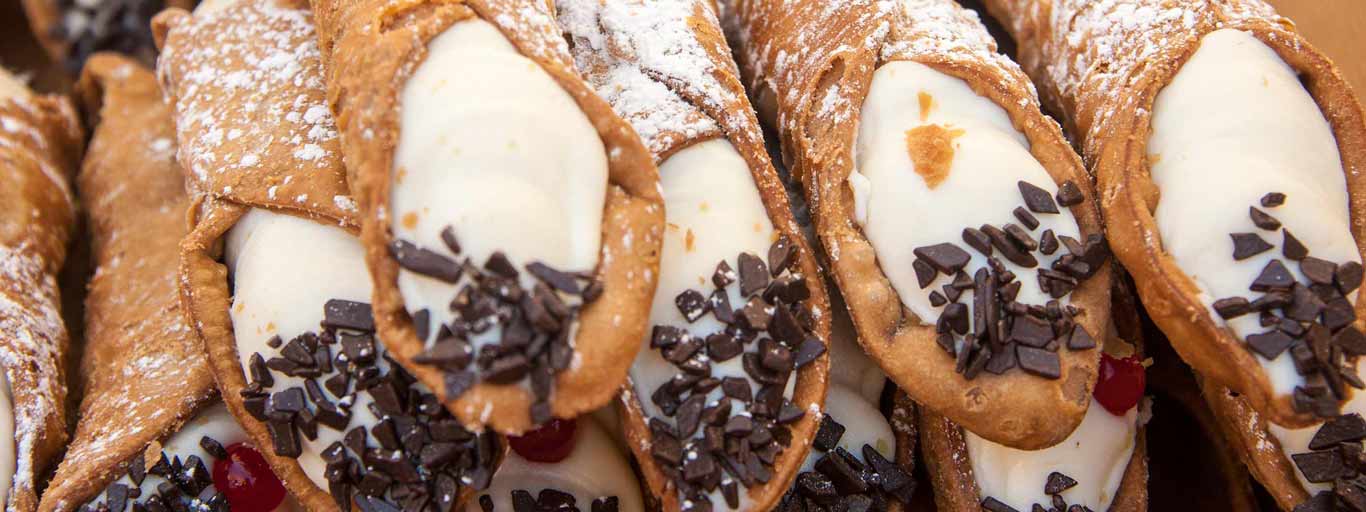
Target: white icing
{"x": 709, "y": 198}
{"x": 1234, "y": 124}
{"x": 899, "y": 212}
{"x": 863, "y": 424}
{"x": 213, "y": 422}
{"x": 7, "y": 458}
{"x": 490, "y": 145}
{"x": 596, "y": 468}
{"x": 283, "y": 269}
{"x": 1296, "y": 440}
{"x": 1095, "y": 455}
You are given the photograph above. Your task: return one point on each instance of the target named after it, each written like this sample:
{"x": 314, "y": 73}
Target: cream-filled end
{"x": 494, "y": 152}
{"x": 932, "y": 158}
{"x": 1096, "y": 455}
{"x": 8, "y": 457}
{"x": 1234, "y": 125}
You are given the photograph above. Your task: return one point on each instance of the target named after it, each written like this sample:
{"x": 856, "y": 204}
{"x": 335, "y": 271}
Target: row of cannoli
{"x": 490, "y": 254}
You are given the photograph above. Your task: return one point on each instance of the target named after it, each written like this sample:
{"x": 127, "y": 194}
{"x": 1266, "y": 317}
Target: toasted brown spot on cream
{"x": 931, "y": 149}
{"x": 410, "y": 220}
{"x": 926, "y": 104}
{"x": 688, "y": 240}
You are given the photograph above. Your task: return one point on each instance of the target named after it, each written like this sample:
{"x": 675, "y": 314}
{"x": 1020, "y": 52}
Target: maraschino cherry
{"x": 1120, "y": 385}
{"x": 246, "y": 480}
{"x": 550, "y": 443}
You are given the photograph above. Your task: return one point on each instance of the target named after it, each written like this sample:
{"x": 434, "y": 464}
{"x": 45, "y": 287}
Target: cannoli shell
{"x": 796, "y": 57}
{"x": 370, "y": 47}
{"x": 720, "y": 98}
{"x": 1103, "y": 77}
{"x": 1247, "y": 433}
{"x": 143, "y": 371}
{"x": 45, "y": 19}
{"x": 40, "y": 148}
{"x": 268, "y": 165}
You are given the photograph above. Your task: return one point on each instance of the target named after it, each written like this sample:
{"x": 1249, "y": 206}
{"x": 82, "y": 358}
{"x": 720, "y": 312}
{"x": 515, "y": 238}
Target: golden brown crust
{"x": 720, "y": 100}
{"x": 370, "y": 47}
{"x": 1109, "y": 109}
{"x": 143, "y": 371}
{"x": 795, "y": 56}
{"x": 40, "y": 149}
{"x": 1254, "y": 445}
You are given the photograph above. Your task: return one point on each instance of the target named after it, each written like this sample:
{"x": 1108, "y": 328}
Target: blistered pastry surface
{"x": 39, "y": 151}
{"x": 143, "y": 369}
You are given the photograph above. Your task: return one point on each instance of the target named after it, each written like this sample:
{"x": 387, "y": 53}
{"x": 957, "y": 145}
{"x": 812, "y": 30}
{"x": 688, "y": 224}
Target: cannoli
{"x": 512, "y": 222}
{"x": 721, "y": 404}
{"x": 565, "y": 465}
{"x": 149, "y": 401}
{"x": 856, "y": 440}
{"x": 274, "y": 277}
{"x": 1101, "y": 466}
{"x": 959, "y": 225}
{"x": 1255, "y": 285}
{"x": 40, "y": 147}
{"x": 70, "y": 31}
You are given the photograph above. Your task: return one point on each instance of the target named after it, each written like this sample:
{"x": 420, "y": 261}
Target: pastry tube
{"x": 915, "y": 143}
{"x": 40, "y": 147}
{"x": 148, "y": 388}
{"x": 274, "y": 278}
{"x": 491, "y": 177}
{"x": 70, "y": 32}
{"x": 737, "y": 283}
{"x": 1169, "y": 100}
{"x": 1102, "y": 465}
{"x": 574, "y": 465}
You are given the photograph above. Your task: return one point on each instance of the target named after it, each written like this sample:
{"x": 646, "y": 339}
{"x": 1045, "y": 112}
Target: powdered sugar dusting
{"x": 34, "y": 339}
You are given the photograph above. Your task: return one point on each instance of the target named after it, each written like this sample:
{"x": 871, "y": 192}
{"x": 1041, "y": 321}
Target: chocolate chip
{"x": 1351, "y": 340}
{"x": 737, "y": 388}
{"x": 1262, "y": 220}
{"x": 691, "y": 304}
{"x": 754, "y": 315}
{"x": 345, "y": 314}
{"x": 1317, "y": 270}
{"x": 1039, "y": 362}
{"x": 946, "y": 258}
{"x": 723, "y": 276}
{"x": 1048, "y": 242}
{"x": 1080, "y": 339}
{"x": 781, "y": 255}
{"x": 1247, "y": 245}
{"x": 1319, "y": 467}
{"x": 1273, "y": 199}
{"x": 1037, "y": 199}
{"x": 1002, "y": 360}
{"x": 828, "y": 434}
{"x": 1026, "y": 218}
{"x": 1031, "y": 331}
{"x": 1342, "y": 429}
{"x": 924, "y": 273}
{"x": 1348, "y": 277}
{"x": 1269, "y": 344}
{"x": 1231, "y": 307}
{"x": 1274, "y": 276}
{"x": 810, "y": 349}
{"x": 722, "y": 347}
{"x": 1069, "y": 194}
{"x": 1292, "y": 248}
{"x": 284, "y": 438}
{"x": 1057, "y": 483}
{"x": 425, "y": 262}
{"x": 978, "y": 240}
{"x": 937, "y": 299}
{"x": 558, "y": 280}
{"x": 1021, "y": 237}
{"x": 753, "y": 274}
{"x": 1008, "y": 248}
{"x": 991, "y": 504}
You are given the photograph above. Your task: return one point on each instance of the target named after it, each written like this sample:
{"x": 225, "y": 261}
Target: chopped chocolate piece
{"x": 345, "y": 314}
{"x": 425, "y": 262}
{"x": 781, "y": 255}
{"x": 284, "y": 438}
{"x": 1342, "y": 429}
{"x": 719, "y": 302}
{"x": 754, "y": 315}
{"x": 1292, "y": 248}
{"x": 978, "y": 240}
{"x": 691, "y": 304}
{"x": 457, "y": 383}
{"x": 722, "y": 347}
{"x": 936, "y": 299}
{"x": 1021, "y": 237}
{"x": 1348, "y": 277}
{"x": 753, "y": 274}
{"x": 1351, "y": 341}
{"x": 1039, "y": 362}
{"x": 1273, "y": 199}
{"x": 946, "y": 257}
{"x": 810, "y": 349}
{"x": 1319, "y": 467}
{"x": 991, "y": 504}
{"x": 1031, "y": 331}
{"x": 1231, "y": 307}
{"x": 1026, "y": 218}
{"x": 558, "y": 280}
{"x": 723, "y": 276}
{"x": 1048, "y": 242}
{"x": 1269, "y": 344}
{"x": 1247, "y": 245}
{"x": 924, "y": 273}
{"x": 828, "y": 434}
{"x": 954, "y": 317}
{"x": 449, "y": 352}
{"x": 1069, "y": 194}
{"x": 1262, "y": 220}
{"x": 1080, "y": 339}
{"x": 1001, "y": 360}
{"x": 737, "y": 388}
{"x": 666, "y": 336}
{"x": 1274, "y": 276}
{"x": 1037, "y": 199}
{"x": 1317, "y": 270}
{"x": 1008, "y": 248}
{"x": 1057, "y": 483}
{"x": 499, "y": 264}
{"x": 837, "y": 467}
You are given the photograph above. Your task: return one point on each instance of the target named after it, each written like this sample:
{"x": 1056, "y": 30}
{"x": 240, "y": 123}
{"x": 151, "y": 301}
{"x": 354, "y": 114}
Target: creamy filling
{"x": 7, "y": 439}
{"x": 863, "y": 424}
{"x": 213, "y": 422}
{"x": 713, "y": 213}
{"x": 1096, "y": 455}
{"x": 1296, "y": 440}
{"x": 932, "y": 158}
{"x": 850, "y": 366}
{"x": 596, "y": 468}
{"x": 1235, "y": 124}
{"x": 494, "y": 149}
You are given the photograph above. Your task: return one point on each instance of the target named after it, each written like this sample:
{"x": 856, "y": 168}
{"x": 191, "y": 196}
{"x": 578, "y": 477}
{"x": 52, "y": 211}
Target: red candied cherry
{"x": 551, "y": 442}
{"x": 1120, "y": 385}
{"x": 246, "y": 480}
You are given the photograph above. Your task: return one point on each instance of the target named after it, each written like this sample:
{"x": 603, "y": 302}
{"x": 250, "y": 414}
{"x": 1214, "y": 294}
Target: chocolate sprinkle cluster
{"x": 90, "y": 26}
{"x": 416, "y": 457}
{"x": 186, "y": 485}
{"x": 1053, "y": 487}
{"x": 841, "y": 482}
{"x": 534, "y": 325}
{"x": 549, "y": 500}
{"x": 1311, "y": 320}
{"x": 1336, "y": 457}
{"x": 707, "y": 447}
{"x": 1001, "y": 333}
